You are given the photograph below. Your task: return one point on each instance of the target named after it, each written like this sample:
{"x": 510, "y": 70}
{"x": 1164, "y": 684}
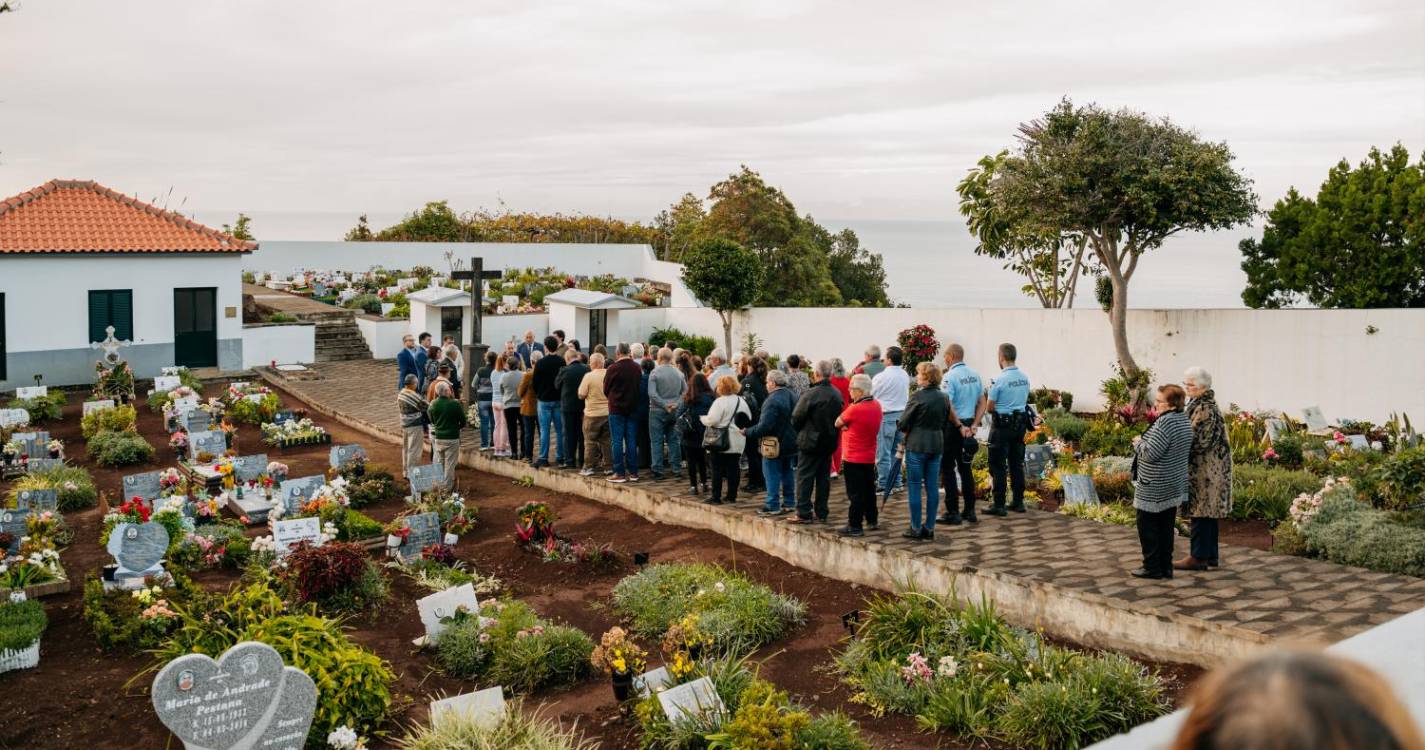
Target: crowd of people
{"x": 790, "y": 427}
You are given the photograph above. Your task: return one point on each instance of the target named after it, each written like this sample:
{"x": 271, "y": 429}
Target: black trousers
{"x": 531, "y": 430}
{"x": 696, "y": 457}
{"x": 574, "y": 436}
{"x": 1203, "y": 544}
{"x": 645, "y": 445}
{"x": 725, "y": 468}
{"x": 1007, "y": 457}
{"x": 956, "y": 464}
{"x": 1155, "y": 535}
{"x": 861, "y": 490}
{"x": 512, "y": 426}
{"x": 755, "y": 480}
{"x": 813, "y": 476}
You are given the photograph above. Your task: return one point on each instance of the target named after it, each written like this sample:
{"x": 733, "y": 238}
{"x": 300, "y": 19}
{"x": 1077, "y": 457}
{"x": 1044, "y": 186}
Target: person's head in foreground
{"x": 1296, "y": 700}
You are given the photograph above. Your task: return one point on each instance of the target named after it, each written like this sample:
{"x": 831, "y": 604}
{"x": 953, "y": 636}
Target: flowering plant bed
{"x": 35, "y": 569}
{"x": 294, "y": 433}
{"x": 705, "y": 605}
{"x": 21, "y": 625}
{"x": 507, "y": 644}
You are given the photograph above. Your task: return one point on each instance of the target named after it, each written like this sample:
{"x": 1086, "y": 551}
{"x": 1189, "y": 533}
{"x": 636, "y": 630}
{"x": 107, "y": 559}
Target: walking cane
{"x": 894, "y": 475}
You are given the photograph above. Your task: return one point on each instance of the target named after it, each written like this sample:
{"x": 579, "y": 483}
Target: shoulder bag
{"x": 716, "y": 439}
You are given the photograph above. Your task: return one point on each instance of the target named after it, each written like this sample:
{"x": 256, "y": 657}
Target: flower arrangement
{"x": 295, "y": 432}
{"x": 345, "y": 738}
{"x": 618, "y": 654}
{"x": 252, "y": 404}
{"x": 456, "y": 515}
{"x": 171, "y": 482}
{"x": 115, "y": 380}
{"x": 918, "y": 345}
{"x": 536, "y": 523}
{"x": 441, "y": 554}
{"x": 56, "y": 448}
{"x": 276, "y": 472}
{"x": 1305, "y": 507}
{"x": 178, "y": 441}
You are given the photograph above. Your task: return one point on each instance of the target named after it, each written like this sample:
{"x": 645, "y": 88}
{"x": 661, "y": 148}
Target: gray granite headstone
{"x": 295, "y": 493}
{"x": 425, "y": 531}
{"x": 423, "y": 478}
{"x": 138, "y": 548}
{"x": 210, "y": 441}
{"x": 1079, "y": 489}
{"x": 38, "y": 500}
{"x": 196, "y": 420}
{"x": 283, "y": 416}
{"x": 250, "y": 468}
{"x": 1315, "y": 420}
{"x": 145, "y": 485}
{"x": 1275, "y": 427}
{"x": 341, "y": 455}
{"x": 246, "y": 700}
{"x": 1358, "y": 442}
{"x": 38, "y": 465}
{"x": 13, "y": 523}
{"x": 1036, "y": 459}
{"x": 33, "y": 444}
{"x": 483, "y": 707}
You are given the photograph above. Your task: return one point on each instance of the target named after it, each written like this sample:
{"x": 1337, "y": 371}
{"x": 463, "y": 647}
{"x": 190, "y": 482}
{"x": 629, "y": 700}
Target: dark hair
{"x": 1174, "y": 395}
{"x": 574, "y": 344}
{"x": 550, "y": 344}
{"x": 697, "y": 386}
{"x": 647, "y": 365}
{"x": 894, "y": 354}
{"x": 794, "y": 362}
{"x": 490, "y": 358}
{"x": 433, "y": 352}
{"x": 421, "y": 339}
{"x": 601, "y": 349}
{"x": 443, "y": 369}
{"x": 1009, "y": 352}
{"x": 559, "y": 332}
{"x": 1297, "y": 700}
{"x": 758, "y": 367}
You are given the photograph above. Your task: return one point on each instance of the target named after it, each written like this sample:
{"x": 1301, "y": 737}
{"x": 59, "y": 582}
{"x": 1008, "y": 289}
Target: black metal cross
{"x": 475, "y": 349}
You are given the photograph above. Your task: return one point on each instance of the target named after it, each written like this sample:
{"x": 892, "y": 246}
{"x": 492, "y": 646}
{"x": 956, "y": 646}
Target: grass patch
{"x": 733, "y": 613}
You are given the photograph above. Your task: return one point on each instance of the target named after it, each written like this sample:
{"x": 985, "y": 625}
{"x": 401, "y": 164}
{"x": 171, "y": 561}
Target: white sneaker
{"x": 586, "y": 472}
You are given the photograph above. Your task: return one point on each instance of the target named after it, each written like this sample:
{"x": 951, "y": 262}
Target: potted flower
{"x": 178, "y": 441}
{"x": 620, "y": 658}
{"x": 397, "y": 532}
{"x": 10, "y": 453}
{"x": 56, "y": 448}
{"x": 276, "y": 473}
{"x": 21, "y": 624}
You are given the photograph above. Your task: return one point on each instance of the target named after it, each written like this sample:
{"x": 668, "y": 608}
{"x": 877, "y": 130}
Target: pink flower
{"x": 1269, "y": 455}
{"x": 1338, "y": 437}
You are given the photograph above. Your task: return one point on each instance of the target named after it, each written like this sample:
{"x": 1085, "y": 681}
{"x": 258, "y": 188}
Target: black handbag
{"x": 716, "y": 439}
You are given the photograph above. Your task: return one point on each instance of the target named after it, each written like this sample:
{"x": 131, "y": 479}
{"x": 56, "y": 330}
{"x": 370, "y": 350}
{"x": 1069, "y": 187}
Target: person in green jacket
{"x": 447, "y": 418}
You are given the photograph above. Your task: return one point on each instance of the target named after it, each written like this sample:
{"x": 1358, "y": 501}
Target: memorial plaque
{"x": 1315, "y": 420}
{"x": 1079, "y": 489}
{"x": 1037, "y": 458}
{"x": 283, "y": 416}
{"x": 93, "y": 406}
{"x": 245, "y": 700}
{"x": 38, "y": 500}
{"x": 185, "y": 404}
{"x": 425, "y": 531}
{"x": 13, "y": 522}
{"x": 250, "y": 468}
{"x": 254, "y": 505}
{"x": 652, "y": 681}
{"x": 38, "y": 465}
{"x": 138, "y": 547}
{"x": 145, "y": 485}
{"x": 485, "y": 707}
{"x": 694, "y": 699}
{"x": 294, "y": 493}
{"x": 1275, "y": 428}
{"x": 32, "y": 391}
{"x": 166, "y": 383}
{"x": 239, "y": 385}
{"x": 196, "y": 420}
{"x": 443, "y": 604}
{"x": 1358, "y": 442}
{"x": 14, "y": 417}
{"x": 211, "y": 441}
{"x": 423, "y": 478}
{"x": 33, "y": 444}
{"x": 341, "y": 455}
{"x": 288, "y": 533}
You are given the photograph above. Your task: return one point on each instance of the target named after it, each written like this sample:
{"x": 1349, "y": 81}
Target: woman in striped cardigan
{"x": 1160, "y": 481}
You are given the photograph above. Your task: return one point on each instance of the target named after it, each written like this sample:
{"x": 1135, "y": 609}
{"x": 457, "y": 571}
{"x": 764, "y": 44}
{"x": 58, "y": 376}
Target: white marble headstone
{"x": 288, "y": 533}
{"x": 443, "y": 604}
{"x": 32, "y": 391}
{"x": 93, "y": 406}
{"x": 166, "y": 383}
{"x": 1315, "y": 420}
{"x": 691, "y": 699}
{"x": 486, "y": 707}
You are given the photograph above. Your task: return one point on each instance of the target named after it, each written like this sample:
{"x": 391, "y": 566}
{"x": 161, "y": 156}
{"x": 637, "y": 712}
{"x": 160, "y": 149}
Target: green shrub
{"x": 214, "y": 544}
{"x": 1265, "y": 492}
{"x": 367, "y": 303}
{"x": 1111, "y": 513}
{"x": 516, "y": 731}
{"x": 515, "y": 649}
{"x": 1068, "y": 427}
{"x": 1046, "y": 399}
{"x": 244, "y": 411}
{"x": 118, "y": 419}
{"x": 1400, "y": 479}
{"x": 116, "y": 616}
{"x": 1107, "y": 436}
{"x": 737, "y": 614}
{"x": 375, "y": 486}
{"x": 670, "y": 336}
{"x": 337, "y": 577}
{"x": 281, "y": 317}
{"x": 351, "y": 525}
{"x": 120, "y": 449}
{"x": 1348, "y": 532}
{"x": 76, "y": 488}
{"x": 353, "y": 684}
{"x": 21, "y": 624}
{"x": 1288, "y": 448}
{"x": 46, "y": 408}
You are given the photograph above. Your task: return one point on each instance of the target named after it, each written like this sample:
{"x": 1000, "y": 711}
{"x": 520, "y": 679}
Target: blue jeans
{"x": 662, "y": 429}
{"x": 886, "y": 444}
{"x": 550, "y": 413}
{"x": 781, "y": 476}
{"x": 625, "y": 444}
{"x": 487, "y": 424}
{"x": 923, "y": 469}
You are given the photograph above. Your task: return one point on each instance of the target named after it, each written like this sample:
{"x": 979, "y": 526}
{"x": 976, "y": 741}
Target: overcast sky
{"x": 858, "y": 110}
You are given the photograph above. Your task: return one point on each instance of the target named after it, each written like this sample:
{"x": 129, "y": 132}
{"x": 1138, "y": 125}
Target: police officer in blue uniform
{"x": 967, "y": 395}
{"x": 1008, "y": 403}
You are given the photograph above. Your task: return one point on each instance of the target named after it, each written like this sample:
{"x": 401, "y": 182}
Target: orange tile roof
{"x": 82, "y": 216}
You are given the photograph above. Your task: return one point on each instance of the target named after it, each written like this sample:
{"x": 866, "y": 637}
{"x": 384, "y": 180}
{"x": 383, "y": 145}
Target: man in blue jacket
{"x": 406, "y": 364}
{"x": 423, "y": 356}
{"x": 776, "y": 421}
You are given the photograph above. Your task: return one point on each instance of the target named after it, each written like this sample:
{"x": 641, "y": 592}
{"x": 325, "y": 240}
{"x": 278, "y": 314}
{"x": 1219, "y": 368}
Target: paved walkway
{"x": 1257, "y": 597}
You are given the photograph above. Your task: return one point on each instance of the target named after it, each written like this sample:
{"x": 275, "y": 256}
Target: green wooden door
{"x": 195, "y": 327}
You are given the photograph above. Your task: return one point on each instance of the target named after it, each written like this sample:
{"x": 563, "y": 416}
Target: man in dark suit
{"x": 406, "y": 364}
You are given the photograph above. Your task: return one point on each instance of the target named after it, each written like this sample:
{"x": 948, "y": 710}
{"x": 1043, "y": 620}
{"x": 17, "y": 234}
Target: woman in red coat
{"x": 842, "y": 384}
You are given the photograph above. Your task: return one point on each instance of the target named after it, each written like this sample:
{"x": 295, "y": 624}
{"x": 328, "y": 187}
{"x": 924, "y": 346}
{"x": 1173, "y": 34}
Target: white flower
{"x": 947, "y": 667}
{"x": 343, "y": 738}
{"x": 720, "y": 587}
{"x": 264, "y": 544}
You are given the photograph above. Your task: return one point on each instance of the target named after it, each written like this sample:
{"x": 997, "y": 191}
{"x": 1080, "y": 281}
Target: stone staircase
{"x": 338, "y": 339}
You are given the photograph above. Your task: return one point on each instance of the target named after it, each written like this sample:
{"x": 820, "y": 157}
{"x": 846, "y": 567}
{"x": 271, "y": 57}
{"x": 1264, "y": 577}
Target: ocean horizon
{"x": 929, "y": 263}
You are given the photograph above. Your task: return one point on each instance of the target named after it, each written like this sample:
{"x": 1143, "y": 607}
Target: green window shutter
{"x": 121, "y": 313}
{"x": 98, "y": 314}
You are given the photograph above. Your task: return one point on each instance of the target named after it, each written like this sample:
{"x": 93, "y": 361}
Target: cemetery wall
{"x": 383, "y": 336}
{"x": 288, "y": 343}
{"x": 1361, "y": 364}
{"x": 47, "y": 311}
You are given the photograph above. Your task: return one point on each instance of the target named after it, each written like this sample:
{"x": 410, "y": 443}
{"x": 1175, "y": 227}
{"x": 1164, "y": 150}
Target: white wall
{"x": 287, "y": 344}
{"x": 383, "y": 337}
{"x": 1260, "y": 359}
{"x": 47, "y": 296}
{"x": 502, "y": 328}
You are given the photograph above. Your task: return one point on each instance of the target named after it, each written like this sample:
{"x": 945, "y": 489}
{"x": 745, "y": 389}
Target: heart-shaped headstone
{"x": 245, "y": 700}
{"x": 138, "y": 546}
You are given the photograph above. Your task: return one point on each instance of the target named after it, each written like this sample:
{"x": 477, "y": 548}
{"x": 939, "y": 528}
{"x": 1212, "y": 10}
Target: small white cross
{"x": 110, "y": 345}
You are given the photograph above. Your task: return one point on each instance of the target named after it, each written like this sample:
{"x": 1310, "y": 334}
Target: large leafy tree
{"x": 437, "y": 222}
{"x": 1052, "y": 262}
{"x": 1125, "y": 182}
{"x": 679, "y": 227}
{"x": 1361, "y": 243}
{"x": 725, "y": 276}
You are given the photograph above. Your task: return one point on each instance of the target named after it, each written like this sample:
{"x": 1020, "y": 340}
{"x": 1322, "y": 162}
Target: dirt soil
{"x": 78, "y": 697}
